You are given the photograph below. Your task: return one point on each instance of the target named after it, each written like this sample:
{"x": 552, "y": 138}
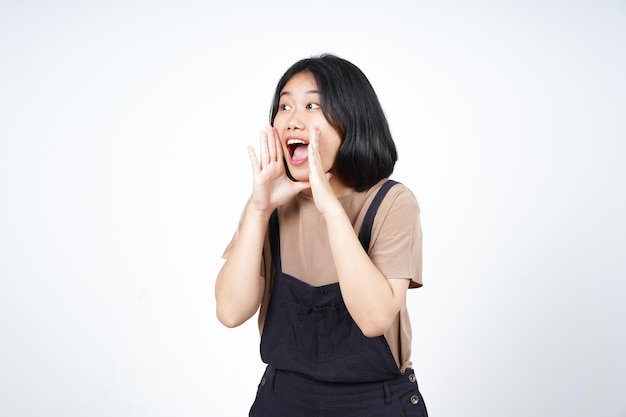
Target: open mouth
{"x": 298, "y": 150}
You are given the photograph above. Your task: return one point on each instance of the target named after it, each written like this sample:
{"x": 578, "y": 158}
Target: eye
{"x": 312, "y": 106}
{"x": 284, "y": 107}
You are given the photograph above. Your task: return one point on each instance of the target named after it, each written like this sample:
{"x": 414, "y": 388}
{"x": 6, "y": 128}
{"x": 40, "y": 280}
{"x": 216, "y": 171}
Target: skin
{"x": 372, "y": 300}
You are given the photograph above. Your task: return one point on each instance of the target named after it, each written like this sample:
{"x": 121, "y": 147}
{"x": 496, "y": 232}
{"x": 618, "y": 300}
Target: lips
{"x": 298, "y": 151}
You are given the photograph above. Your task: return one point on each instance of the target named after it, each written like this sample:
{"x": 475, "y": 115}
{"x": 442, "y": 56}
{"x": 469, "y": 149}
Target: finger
{"x": 301, "y": 186}
{"x": 253, "y": 160}
{"x": 314, "y": 139}
{"x": 265, "y": 158}
{"x": 315, "y": 162}
{"x": 279, "y": 146}
{"x": 271, "y": 142}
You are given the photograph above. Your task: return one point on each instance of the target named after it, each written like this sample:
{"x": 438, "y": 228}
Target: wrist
{"x": 334, "y": 214}
{"x": 253, "y": 212}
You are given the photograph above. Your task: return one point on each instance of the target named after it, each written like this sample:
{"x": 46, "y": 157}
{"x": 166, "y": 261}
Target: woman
{"x": 326, "y": 249}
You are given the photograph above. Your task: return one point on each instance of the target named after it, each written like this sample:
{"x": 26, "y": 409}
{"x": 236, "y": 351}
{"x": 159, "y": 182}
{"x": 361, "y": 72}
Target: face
{"x": 299, "y": 114}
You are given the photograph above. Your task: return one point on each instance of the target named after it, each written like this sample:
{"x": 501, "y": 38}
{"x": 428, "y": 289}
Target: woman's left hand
{"x": 323, "y": 194}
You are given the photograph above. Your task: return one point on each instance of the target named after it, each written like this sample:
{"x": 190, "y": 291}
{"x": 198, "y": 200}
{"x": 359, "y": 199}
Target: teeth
{"x": 295, "y": 142}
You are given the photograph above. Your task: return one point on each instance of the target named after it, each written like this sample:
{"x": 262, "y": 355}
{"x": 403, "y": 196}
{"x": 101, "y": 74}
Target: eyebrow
{"x": 288, "y": 93}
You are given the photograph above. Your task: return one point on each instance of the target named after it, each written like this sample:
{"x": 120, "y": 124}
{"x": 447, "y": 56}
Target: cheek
{"x": 276, "y": 122}
{"x": 328, "y": 153}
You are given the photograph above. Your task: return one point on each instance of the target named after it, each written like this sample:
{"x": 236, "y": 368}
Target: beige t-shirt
{"x": 395, "y": 249}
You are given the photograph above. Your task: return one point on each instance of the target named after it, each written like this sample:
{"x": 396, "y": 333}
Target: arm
{"x": 372, "y": 300}
{"x": 239, "y": 286}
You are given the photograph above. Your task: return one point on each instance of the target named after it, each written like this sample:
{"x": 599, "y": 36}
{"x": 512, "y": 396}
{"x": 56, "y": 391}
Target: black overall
{"x": 319, "y": 362}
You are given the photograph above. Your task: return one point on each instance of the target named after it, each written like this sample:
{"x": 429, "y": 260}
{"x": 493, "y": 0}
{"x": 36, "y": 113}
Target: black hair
{"x": 350, "y": 104}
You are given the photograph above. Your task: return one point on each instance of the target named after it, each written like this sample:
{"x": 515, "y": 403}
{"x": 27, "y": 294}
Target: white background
{"x": 123, "y": 171}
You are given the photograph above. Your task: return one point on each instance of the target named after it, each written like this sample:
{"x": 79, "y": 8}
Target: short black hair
{"x": 350, "y": 104}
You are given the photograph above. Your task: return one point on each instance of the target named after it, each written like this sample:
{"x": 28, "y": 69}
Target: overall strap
{"x": 368, "y": 221}
{"x": 275, "y": 240}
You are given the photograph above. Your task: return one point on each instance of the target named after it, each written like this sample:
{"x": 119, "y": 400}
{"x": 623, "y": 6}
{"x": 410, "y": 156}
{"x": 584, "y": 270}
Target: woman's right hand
{"x": 271, "y": 186}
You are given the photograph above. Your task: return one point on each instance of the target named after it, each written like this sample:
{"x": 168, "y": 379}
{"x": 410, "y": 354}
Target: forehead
{"x": 300, "y": 83}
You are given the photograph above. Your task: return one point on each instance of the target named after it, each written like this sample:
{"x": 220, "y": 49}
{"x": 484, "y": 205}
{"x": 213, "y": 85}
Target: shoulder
{"x": 398, "y": 215}
{"x": 396, "y": 244}
{"x": 400, "y": 198}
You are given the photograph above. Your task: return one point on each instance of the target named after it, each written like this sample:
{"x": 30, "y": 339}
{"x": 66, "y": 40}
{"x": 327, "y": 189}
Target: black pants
{"x": 288, "y": 394}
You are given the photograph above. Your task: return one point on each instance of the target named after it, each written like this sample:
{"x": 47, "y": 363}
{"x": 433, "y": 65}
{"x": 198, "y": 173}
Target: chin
{"x": 298, "y": 174}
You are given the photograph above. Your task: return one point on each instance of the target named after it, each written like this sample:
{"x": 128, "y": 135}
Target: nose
{"x": 295, "y": 121}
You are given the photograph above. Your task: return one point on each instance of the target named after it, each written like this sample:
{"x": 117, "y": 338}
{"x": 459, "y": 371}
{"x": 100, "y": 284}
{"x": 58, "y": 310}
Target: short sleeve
{"x": 396, "y": 247}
